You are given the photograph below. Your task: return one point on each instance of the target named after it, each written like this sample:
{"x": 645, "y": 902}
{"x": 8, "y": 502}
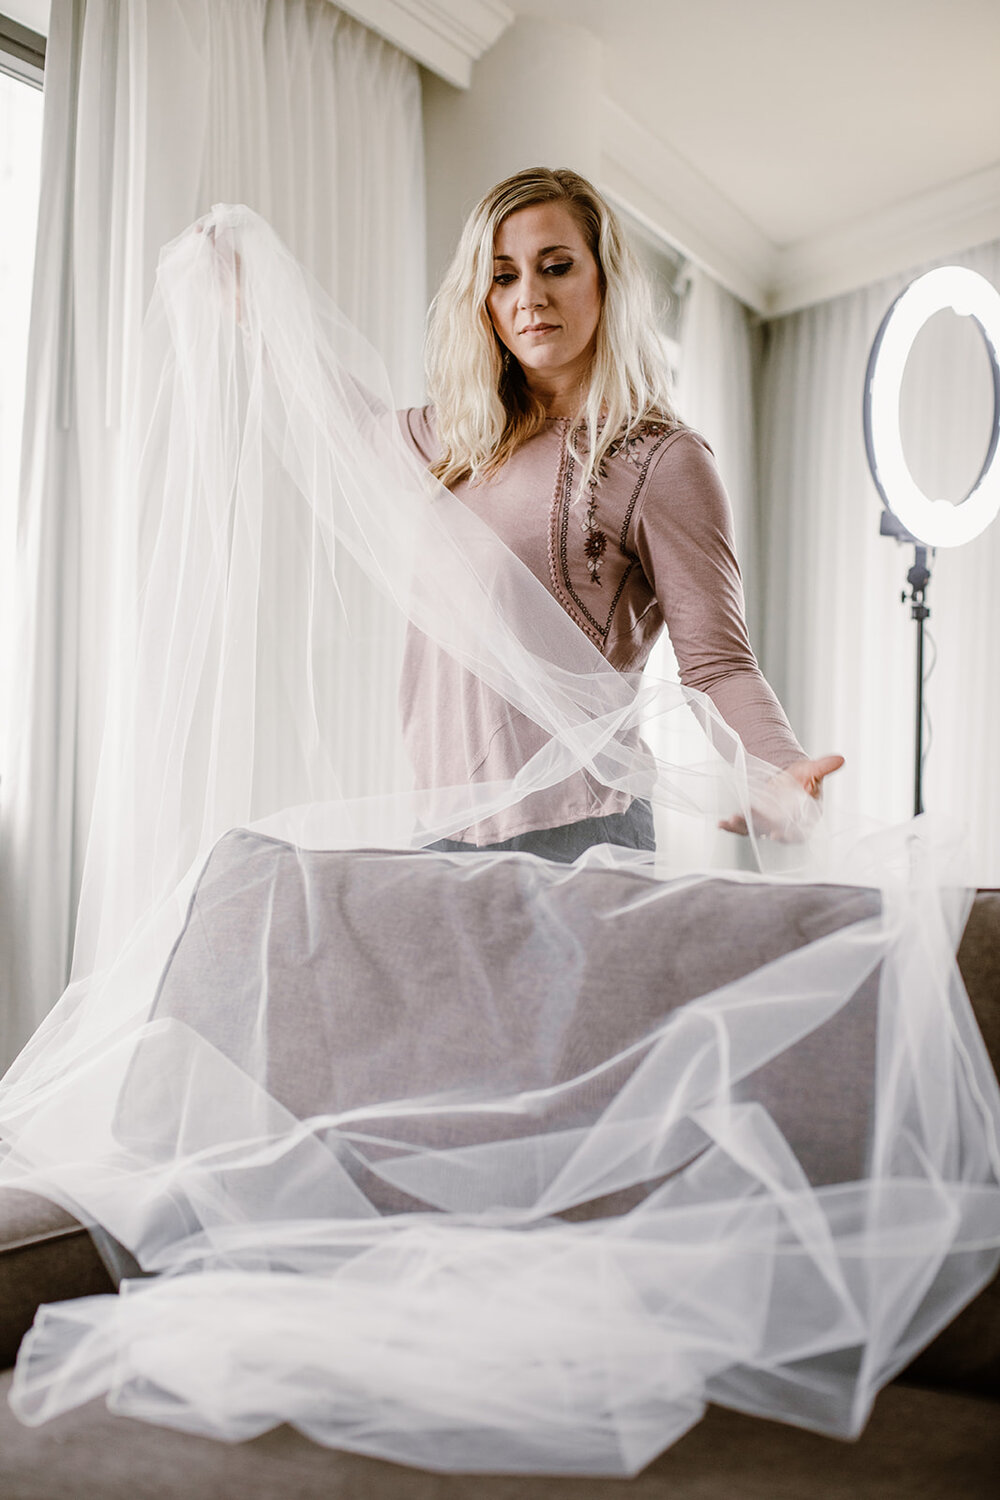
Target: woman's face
{"x": 545, "y": 302}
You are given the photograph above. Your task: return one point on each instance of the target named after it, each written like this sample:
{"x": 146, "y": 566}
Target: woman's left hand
{"x": 809, "y": 774}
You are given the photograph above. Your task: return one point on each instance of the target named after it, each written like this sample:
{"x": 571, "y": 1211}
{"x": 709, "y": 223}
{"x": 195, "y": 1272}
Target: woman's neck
{"x": 560, "y": 398}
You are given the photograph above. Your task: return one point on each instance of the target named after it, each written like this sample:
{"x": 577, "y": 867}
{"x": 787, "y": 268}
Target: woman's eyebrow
{"x": 547, "y": 251}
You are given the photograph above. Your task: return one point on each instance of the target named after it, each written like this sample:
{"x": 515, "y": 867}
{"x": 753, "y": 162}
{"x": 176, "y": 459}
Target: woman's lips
{"x": 540, "y": 328}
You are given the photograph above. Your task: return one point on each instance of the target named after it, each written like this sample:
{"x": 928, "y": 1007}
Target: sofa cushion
{"x": 45, "y": 1256}
{"x": 345, "y": 934}
{"x": 919, "y": 1445}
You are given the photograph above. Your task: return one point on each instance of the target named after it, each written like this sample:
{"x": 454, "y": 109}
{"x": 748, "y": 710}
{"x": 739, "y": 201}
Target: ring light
{"x": 936, "y": 523}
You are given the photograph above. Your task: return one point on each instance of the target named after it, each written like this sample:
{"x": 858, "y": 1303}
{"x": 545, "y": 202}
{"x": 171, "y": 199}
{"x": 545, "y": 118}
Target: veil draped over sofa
{"x": 469, "y": 1161}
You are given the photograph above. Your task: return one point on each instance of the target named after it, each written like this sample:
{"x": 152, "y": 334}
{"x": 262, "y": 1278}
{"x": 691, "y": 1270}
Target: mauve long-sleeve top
{"x": 650, "y": 542}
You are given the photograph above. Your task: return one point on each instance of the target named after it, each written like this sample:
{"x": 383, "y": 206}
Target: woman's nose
{"x": 532, "y": 291}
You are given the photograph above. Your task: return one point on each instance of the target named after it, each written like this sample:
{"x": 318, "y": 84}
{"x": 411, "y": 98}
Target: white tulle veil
{"x": 380, "y": 1147}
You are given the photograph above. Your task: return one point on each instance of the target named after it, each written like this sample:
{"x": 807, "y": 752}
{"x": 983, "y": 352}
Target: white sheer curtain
{"x": 716, "y": 386}
{"x": 716, "y": 389}
{"x": 156, "y": 109}
{"x": 838, "y": 645}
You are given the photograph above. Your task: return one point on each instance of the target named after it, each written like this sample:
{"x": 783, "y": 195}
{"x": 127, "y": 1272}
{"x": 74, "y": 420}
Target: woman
{"x": 551, "y": 417}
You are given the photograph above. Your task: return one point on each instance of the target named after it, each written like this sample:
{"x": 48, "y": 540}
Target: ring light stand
{"x": 908, "y": 514}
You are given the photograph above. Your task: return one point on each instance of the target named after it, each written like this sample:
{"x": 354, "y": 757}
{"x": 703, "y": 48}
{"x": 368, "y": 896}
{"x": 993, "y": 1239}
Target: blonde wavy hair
{"x": 484, "y": 410}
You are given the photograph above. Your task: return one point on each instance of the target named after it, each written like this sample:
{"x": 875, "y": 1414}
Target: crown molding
{"x": 900, "y": 238}
{"x": 676, "y": 203}
{"x": 446, "y": 36}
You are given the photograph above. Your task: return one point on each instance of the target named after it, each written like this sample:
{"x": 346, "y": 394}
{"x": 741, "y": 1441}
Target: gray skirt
{"x": 632, "y": 829}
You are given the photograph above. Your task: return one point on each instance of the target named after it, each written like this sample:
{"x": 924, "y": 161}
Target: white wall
{"x": 533, "y": 102}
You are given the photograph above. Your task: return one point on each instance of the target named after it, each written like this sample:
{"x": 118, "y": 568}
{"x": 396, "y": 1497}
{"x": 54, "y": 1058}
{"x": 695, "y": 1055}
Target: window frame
{"x": 22, "y": 53}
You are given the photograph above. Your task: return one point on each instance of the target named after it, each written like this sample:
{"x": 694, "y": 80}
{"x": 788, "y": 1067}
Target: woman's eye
{"x": 559, "y": 269}
{"x": 503, "y": 279}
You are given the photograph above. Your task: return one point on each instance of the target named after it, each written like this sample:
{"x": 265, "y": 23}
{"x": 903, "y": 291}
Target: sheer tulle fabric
{"x": 469, "y": 1161}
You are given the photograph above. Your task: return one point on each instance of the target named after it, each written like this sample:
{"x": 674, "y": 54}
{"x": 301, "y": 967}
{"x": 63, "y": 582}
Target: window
{"x": 22, "y": 57}
{"x": 667, "y": 269}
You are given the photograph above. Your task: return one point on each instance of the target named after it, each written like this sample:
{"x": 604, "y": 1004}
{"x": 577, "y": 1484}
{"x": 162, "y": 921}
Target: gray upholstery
{"x": 334, "y": 988}
{"x": 919, "y": 1445}
{"x": 45, "y": 1256}
{"x": 966, "y": 1354}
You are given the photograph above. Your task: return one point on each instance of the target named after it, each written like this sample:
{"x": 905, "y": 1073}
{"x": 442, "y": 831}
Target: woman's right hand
{"x": 227, "y": 264}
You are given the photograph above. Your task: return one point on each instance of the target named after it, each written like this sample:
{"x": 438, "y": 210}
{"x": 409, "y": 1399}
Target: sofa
{"x": 934, "y": 1431}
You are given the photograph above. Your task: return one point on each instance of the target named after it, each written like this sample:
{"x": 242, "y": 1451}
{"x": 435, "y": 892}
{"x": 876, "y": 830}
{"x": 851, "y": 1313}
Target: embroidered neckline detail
{"x": 629, "y": 447}
{"x": 567, "y": 584}
{"x": 596, "y": 542}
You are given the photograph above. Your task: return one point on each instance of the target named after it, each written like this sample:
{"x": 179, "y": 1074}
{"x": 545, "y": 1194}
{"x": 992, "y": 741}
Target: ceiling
{"x": 805, "y": 114}
{"x": 794, "y": 148}
{"x": 826, "y": 143}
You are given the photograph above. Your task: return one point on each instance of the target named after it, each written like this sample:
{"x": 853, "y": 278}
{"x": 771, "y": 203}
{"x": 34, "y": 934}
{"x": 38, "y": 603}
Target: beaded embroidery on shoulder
{"x": 629, "y": 447}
